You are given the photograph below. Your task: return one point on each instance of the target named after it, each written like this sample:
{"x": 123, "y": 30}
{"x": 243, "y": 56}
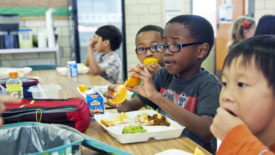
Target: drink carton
{"x": 95, "y": 103}
{"x": 72, "y": 68}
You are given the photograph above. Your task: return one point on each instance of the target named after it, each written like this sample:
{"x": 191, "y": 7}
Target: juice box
{"x": 95, "y": 103}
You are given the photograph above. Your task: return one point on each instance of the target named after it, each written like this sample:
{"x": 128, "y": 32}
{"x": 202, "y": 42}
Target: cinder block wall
{"x": 263, "y": 7}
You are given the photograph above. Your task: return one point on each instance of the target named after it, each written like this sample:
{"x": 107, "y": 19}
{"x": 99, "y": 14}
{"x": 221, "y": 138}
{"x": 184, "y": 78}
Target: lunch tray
{"x": 156, "y": 132}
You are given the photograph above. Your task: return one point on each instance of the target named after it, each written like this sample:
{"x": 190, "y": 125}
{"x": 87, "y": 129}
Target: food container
{"x": 25, "y": 38}
{"x": 31, "y": 138}
{"x": 82, "y": 69}
{"x": 95, "y": 103}
{"x": 156, "y": 132}
{"x": 72, "y": 69}
{"x": 50, "y": 90}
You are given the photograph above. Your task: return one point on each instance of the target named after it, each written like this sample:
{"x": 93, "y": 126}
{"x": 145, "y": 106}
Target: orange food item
{"x": 83, "y": 88}
{"x": 198, "y": 151}
{"x": 148, "y": 61}
{"x": 120, "y": 95}
{"x": 104, "y": 123}
{"x": 133, "y": 81}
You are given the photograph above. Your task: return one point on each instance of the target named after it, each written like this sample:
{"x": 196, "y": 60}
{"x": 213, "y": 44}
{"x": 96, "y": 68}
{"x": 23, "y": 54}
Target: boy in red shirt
{"x": 245, "y": 122}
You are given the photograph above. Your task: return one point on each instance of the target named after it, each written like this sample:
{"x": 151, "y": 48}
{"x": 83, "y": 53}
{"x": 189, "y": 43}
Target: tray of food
{"x": 139, "y": 126}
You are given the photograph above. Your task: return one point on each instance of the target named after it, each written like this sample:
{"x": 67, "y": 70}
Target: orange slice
{"x": 198, "y": 151}
{"x": 104, "y": 123}
{"x": 133, "y": 81}
{"x": 148, "y": 61}
{"x": 83, "y": 88}
{"x": 120, "y": 95}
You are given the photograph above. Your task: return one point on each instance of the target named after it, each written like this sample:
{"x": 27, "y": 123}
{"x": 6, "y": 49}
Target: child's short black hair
{"x": 111, "y": 33}
{"x": 260, "y": 49}
{"x": 200, "y": 29}
{"x": 266, "y": 25}
{"x": 151, "y": 28}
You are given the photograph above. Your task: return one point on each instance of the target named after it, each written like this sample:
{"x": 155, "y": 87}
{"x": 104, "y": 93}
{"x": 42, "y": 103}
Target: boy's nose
{"x": 149, "y": 53}
{"x": 227, "y": 96}
{"x": 167, "y": 52}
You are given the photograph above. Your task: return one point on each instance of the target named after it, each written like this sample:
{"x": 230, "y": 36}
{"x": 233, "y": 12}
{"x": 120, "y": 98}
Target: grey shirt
{"x": 198, "y": 94}
{"x": 112, "y": 66}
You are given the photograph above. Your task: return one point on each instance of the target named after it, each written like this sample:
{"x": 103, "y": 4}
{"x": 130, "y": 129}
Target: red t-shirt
{"x": 241, "y": 141}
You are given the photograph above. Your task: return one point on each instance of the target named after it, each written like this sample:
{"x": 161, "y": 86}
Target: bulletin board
{"x": 35, "y": 9}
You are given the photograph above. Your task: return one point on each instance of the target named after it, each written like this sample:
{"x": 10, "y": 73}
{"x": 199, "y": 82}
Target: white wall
{"x": 208, "y": 13}
{"x": 263, "y": 7}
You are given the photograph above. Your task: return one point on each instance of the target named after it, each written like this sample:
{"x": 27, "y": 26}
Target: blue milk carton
{"x": 72, "y": 68}
{"x": 95, "y": 102}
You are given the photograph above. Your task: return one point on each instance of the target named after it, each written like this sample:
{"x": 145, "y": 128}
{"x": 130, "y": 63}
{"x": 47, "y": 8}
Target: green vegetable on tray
{"x": 133, "y": 129}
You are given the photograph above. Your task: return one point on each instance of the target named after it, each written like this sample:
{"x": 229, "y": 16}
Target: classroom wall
{"x": 138, "y": 14}
{"x": 263, "y": 7}
{"x": 37, "y": 23}
{"x": 210, "y": 14}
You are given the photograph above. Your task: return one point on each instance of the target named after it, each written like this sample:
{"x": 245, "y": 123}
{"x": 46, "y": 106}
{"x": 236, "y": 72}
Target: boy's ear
{"x": 203, "y": 50}
{"x": 107, "y": 42}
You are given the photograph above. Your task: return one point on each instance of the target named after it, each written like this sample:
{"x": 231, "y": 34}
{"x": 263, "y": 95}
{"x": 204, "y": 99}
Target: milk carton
{"x": 95, "y": 102}
{"x": 72, "y": 68}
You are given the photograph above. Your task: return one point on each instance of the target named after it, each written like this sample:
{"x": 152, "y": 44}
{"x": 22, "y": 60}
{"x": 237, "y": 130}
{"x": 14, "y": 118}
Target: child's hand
{"x": 92, "y": 42}
{"x": 154, "y": 67}
{"x": 146, "y": 88}
{"x": 3, "y": 100}
{"x": 223, "y": 122}
{"x": 108, "y": 94}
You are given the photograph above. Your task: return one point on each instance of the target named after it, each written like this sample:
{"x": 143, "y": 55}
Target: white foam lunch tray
{"x": 156, "y": 132}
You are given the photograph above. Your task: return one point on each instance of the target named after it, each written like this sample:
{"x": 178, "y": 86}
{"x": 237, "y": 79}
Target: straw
{"x": 41, "y": 91}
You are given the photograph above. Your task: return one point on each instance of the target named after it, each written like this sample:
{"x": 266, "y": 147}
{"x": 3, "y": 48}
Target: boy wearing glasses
{"x": 187, "y": 41}
{"x": 147, "y": 38}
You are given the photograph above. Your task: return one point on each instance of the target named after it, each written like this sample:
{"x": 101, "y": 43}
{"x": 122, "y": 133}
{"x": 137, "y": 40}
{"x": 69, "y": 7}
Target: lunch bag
{"x": 48, "y": 139}
{"x": 71, "y": 112}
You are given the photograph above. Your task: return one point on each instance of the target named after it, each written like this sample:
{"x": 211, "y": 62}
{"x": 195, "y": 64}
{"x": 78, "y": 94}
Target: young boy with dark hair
{"x": 147, "y": 38}
{"x": 187, "y": 41}
{"x": 106, "y": 40}
{"x": 245, "y": 122}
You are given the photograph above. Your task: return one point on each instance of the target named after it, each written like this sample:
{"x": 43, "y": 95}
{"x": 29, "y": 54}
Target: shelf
{"x": 34, "y": 50}
{"x": 28, "y": 50}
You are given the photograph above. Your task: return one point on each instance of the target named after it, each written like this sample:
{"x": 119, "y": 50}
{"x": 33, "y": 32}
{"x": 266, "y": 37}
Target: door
{"x": 223, "y": 32}
{"x": 92, "y": 14}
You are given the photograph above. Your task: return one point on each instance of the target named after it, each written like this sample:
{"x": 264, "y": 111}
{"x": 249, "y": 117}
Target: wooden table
{"x": 95, "y": 131}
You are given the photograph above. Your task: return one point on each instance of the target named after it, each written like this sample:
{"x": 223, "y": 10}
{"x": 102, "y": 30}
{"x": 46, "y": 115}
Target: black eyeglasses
{"x": 173, "y": 47}
{"x": 143, "y": 50}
